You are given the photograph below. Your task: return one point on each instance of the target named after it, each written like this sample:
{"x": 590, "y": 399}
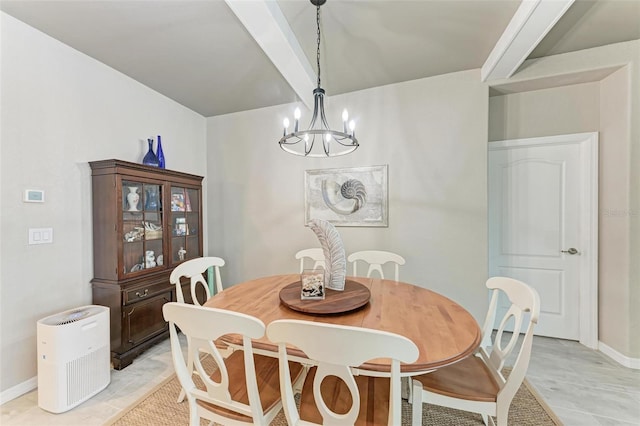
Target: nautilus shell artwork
{"x": 334, "y": 256}
{"x": 346, "y": 198}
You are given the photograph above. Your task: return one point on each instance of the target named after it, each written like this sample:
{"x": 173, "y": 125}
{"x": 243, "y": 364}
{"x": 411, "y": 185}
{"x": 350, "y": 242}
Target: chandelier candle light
{"x": 334, "y": 143}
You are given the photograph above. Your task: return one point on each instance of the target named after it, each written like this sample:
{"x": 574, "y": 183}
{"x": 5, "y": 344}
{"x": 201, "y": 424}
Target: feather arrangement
{"x": 334, "y": 256}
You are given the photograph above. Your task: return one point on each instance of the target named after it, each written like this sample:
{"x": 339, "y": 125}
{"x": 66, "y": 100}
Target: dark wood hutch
{"x": 146, "y": 221}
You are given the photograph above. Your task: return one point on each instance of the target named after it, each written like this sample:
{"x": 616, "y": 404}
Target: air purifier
{"x": 73, "y": 357}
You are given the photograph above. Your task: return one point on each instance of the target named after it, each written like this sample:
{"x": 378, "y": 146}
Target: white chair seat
{"x": 468, "y": 379}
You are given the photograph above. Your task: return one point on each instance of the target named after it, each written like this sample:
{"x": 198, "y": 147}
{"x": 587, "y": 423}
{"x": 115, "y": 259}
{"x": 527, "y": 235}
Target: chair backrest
{"x": 202, "y": 326}
{"x": 315, "y": 254}
{"x": 194, "y": 269}
{"x": 336, "y": 349}
{"x": 375, "y": 259}
{"x": 524, "y": 299}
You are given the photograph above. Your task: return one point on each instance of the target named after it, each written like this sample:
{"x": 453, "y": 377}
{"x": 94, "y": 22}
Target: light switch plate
{"x": 33, "y": 196}
{"x": 40, "y": 235}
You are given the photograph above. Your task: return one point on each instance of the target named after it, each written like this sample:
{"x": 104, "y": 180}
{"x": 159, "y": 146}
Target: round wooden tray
{"x": 354, "y": 296}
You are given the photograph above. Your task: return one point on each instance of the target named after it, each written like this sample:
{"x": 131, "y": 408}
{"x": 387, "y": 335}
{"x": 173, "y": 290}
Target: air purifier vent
{"x": 85, "y": 375}
{"x": 70, "y": 316}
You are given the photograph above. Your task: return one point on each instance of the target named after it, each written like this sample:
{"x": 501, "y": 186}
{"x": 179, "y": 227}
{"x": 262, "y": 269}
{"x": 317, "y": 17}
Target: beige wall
{"x": 431, "y": 132}
{"x": 611, "y": 107}
{"x": 546, "y": 112}
{"x": 61, "y": 109}
{"x": 615, "y": 305}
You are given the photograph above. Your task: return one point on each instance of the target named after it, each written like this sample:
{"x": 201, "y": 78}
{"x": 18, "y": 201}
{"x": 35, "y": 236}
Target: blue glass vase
{"x": 160, "y": 154}
{"x": 151, "y": 199}
{"x": 150, "y": 158}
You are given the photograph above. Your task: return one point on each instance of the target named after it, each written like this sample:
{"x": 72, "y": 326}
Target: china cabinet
{"x": 146, "y": 221}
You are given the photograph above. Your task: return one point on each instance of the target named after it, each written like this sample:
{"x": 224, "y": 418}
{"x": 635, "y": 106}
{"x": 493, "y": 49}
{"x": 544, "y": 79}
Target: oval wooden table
{"x": 443, "y": 330}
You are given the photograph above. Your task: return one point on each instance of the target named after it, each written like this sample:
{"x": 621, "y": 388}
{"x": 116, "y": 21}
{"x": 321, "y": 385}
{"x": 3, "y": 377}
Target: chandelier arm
{"x": 323, "y": 117}
{"x": 317, "y": 105}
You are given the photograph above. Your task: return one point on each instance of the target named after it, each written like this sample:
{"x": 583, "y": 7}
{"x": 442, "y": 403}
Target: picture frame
{"x": 181, "y": 227}
{"x": 312, "y": 284}
{"x": 356, "y": 196}
{"x": 177, "y": 202}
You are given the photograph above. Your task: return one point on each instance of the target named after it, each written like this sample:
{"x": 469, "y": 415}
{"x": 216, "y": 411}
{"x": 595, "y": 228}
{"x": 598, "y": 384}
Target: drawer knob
{"x": 146, "y": 292}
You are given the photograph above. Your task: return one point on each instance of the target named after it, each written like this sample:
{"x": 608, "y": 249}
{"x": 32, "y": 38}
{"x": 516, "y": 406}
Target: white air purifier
{"x": 73, "y": 357}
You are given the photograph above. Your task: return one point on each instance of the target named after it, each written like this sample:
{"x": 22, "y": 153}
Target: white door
{"x": 540, "y": 210}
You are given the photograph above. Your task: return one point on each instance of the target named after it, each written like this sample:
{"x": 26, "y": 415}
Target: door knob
{"x": 570, "y": 251}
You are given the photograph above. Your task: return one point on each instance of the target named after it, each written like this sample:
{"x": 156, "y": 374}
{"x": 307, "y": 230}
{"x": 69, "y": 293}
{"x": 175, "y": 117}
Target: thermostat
{"x": 34, "y": 196}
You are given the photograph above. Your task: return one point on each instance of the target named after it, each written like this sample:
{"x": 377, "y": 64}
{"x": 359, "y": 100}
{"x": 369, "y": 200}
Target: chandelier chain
{"x": 318, "y": 41}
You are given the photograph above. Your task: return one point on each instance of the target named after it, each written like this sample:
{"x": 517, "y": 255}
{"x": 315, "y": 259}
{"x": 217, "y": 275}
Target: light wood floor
{"x": 583, "y": 387}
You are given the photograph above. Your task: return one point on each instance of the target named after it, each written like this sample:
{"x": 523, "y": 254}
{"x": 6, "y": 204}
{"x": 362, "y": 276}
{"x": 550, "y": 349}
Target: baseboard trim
{"x": 18, "y": 390}
{"x": 618, "y": 357}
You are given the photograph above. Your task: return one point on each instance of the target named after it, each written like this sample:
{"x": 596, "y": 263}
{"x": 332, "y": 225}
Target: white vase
{"x": 133, "y": 198}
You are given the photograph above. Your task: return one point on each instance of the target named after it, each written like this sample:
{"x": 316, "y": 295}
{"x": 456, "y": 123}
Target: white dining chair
{"x": 194, "y": 269}
{"x": 375, "y": 259}
{"x": 241, "y": 389}
{"x": 478, "y": 383}
{"x": 332, "y": 393}
{"x": 316, "y": 255}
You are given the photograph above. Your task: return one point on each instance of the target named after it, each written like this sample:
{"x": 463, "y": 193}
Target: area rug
{"x": 159, "y": 408}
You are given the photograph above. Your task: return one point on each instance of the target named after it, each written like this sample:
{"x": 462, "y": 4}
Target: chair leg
{"x": 407, "y": 389}
{"x": 502, "y": 414}
{"x": 194, "y": 416}
{"x": 416, "y": 401}
{"x": 190, "y": 369}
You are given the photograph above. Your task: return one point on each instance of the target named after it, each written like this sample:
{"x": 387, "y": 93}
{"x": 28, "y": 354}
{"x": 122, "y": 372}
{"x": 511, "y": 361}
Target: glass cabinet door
{"x": 142, "y": 226}
{"x": 185, "y": 221}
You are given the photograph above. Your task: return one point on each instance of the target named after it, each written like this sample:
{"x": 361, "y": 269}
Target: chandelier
{"x": 334, "y": 143}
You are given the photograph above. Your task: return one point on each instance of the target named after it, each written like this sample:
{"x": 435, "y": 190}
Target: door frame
{"x": 588, "y": 293}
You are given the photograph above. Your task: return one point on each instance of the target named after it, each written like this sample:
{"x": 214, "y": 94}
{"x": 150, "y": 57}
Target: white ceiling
{"x": 199, "y": 54}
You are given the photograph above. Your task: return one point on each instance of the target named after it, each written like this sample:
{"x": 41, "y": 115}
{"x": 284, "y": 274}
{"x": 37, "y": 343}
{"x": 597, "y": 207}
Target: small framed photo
{"x": 181, "y": 227}
{"x": 312, "y": 284}
{"x": 177, "y": 202}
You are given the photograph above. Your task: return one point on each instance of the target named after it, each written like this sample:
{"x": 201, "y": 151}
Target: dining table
{"x": 443, "y": 330}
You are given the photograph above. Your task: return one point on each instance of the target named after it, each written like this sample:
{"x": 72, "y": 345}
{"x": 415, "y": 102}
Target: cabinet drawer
{"x": 142, "y": 293}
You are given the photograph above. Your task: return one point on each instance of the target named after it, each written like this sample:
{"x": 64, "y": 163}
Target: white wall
{"x": 59, "y": 110}
{"x": 431, "y": 132}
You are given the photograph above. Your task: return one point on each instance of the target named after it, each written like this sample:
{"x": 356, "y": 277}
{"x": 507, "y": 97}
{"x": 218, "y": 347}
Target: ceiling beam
{"x": 267, "y": 25}
{"x": 531, "y": 22}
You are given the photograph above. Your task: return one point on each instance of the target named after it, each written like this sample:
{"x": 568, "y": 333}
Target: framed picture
{"x": 177, "y": 202}
{"x": 347, "y": 197}
{"x": 181, "y": 227}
